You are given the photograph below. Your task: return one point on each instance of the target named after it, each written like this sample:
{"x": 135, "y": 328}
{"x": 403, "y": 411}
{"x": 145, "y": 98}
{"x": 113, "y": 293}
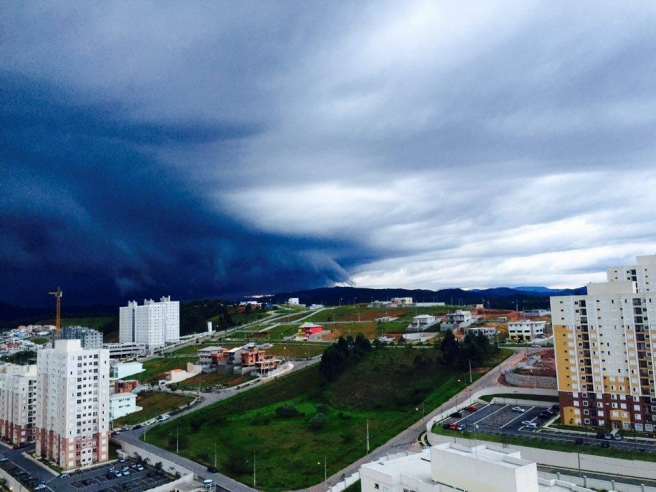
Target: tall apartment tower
{"x": 154, "y": 324}
{"x": 91, "y": 339}
{"x": 72, "y": 415}
{"x": 604, "y": 355}
{"x": 17, "y": 402}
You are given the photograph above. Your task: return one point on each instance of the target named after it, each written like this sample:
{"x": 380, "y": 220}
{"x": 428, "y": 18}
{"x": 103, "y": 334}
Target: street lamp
{"x": 325, "y": 472}
{"x": 177, "y": 439}
{"x": 578, "y": 443}
{"x": 215, "y": 452}
{"x": 423, "y": 411}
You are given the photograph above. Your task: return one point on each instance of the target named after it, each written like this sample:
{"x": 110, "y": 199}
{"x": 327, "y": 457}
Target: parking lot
{"x": 530, "y": 421}
{"x": 99, "y": 478}
{"x": 501, "y": 417}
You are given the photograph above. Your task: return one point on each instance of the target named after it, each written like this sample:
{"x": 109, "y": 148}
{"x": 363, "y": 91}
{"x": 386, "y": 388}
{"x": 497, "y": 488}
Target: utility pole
{"x": 215, "y": 452}
{"x": 367, "y": 436}
{"x": 254, "y": 483}
{"x": 471, "y": 380}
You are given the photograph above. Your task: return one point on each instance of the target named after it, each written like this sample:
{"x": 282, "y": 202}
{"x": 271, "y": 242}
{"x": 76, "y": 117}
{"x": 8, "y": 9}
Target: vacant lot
{"x": 208, "y": 380}
{"x": 155, "y": 369}
{"x": 299, "y": 350}
{"x": 386, "y": 392}
{"x": 154, "y": 403}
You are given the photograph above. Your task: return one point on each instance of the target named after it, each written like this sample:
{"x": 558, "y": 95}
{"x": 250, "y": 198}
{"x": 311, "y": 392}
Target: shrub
{"x": 322, "y": 408}
{"x": 318, "y": 422}
{"x": 288, "y": 412}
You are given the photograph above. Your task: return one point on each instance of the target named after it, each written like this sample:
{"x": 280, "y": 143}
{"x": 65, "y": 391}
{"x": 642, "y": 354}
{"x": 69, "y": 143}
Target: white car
{"x": 530, "y": 424}
{"x": 518, "y": 409}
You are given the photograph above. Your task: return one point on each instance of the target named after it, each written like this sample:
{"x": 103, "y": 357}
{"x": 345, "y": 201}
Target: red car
{"x": 471, "y": 408}
{"x": 453, "y": 426}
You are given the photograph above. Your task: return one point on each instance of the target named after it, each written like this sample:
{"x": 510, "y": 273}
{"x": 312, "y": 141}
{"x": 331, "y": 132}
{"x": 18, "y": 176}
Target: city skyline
{"x": 219, "y": 149}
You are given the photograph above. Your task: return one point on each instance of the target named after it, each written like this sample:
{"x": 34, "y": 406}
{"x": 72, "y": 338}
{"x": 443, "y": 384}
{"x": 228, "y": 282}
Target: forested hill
{"x": 497, "y": 298}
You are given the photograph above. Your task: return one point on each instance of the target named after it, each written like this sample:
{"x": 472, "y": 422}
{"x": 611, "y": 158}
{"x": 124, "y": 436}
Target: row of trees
{"x": 342, "y": 354}
{"x": 474, "y": 349}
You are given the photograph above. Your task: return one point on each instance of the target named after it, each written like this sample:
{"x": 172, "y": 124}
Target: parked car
{"x": 605, "y": 444}
{"x": 453, "y": 426}
{"x": 140, "y": 468}
{"x": 608, "y": 437}
{"x": 601, "y": 435}
{"x": 544, "y": 415}
{"x": 460, "y": 427}
{"x": 471, "y": 408}
{"x": 64, "y": 475}
{"x": 212, "y": 469}
{"x": 456, "y": 415}
{"x": 617, "y": 437}
{"x": 518, "y": 409}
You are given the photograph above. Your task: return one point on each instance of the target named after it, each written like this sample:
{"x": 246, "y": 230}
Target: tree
{"x": 450, "y": 348}
{"x": 362, "y": 344}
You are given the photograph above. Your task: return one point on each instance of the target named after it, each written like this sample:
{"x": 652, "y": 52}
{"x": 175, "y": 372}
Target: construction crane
{"x": 58, "y": 295}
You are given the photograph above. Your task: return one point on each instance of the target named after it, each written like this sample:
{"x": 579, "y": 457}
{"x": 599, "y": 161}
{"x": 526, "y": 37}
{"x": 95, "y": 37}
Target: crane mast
{"x": 58, "y": 295}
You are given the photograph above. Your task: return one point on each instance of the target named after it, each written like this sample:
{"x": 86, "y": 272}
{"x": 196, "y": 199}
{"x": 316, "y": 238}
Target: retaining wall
{"x": 528, "y": 381}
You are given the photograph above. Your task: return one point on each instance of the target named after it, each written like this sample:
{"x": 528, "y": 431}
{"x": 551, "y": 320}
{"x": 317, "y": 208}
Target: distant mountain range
{"x": 497, "y": 298}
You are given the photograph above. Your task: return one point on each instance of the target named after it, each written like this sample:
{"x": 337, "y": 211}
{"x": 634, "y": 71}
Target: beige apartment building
{"x": 604, "y": 355}
{"x": 17, "y": 402}
{"x": 72, "y": 415}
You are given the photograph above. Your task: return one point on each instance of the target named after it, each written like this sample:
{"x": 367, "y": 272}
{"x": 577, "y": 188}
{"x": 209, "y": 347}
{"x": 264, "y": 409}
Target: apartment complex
{"x": 17, "y": 402}
{"x": 604, "y": 355}
{"x": 153, "y": 324}
{"x": 91, "y": 339}
{"x": 72, "y": 414}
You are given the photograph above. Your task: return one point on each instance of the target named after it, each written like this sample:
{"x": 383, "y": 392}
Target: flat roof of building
{"x": 483, "y": 452}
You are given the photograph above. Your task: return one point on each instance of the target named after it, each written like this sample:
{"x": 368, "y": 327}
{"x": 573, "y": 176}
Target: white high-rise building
{"x": 17, "y": 402}
{"x": 72, "y": 414}
{"x": 154, "y": 324}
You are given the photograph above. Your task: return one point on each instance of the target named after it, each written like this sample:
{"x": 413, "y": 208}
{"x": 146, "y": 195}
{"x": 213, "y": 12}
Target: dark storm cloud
{"x": 217, "y": 147}
{"x": 84, "y": 205}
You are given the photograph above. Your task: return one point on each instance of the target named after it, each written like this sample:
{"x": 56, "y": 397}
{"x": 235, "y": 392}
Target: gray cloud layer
{"x": 215, "y": 148}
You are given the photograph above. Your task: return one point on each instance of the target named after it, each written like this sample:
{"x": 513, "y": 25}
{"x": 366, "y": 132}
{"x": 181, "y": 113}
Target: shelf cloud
{"x": 219, "y": 149}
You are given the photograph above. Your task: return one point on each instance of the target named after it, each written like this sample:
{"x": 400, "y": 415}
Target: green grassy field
{"x": 154, "y": 403}
{"x": 39, "y": 340}
{"x": 388, "y": 391}
{"x": 298, "y": 350}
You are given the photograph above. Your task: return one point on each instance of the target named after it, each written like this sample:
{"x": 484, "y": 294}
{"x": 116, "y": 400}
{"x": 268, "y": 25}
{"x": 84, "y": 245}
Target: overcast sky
{"x": 225, "y": 148}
